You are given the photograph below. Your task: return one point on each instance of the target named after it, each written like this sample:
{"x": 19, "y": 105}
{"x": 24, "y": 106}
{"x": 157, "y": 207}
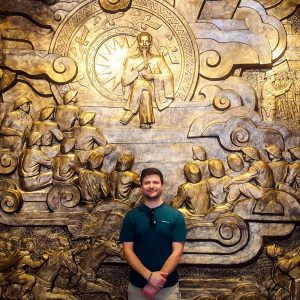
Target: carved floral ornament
{"x": 217, "y": 93}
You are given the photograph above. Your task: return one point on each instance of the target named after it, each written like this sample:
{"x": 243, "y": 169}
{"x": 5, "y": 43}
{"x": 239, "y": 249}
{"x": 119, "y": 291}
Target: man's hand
{"x": 158, "y": 279}
{"x": 147, "y": 76}
{"x": 149, "y": 291}
{"x": 142, "y": 67}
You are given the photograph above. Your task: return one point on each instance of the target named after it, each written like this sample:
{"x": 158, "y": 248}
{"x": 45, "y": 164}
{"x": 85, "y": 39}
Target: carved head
{"x": 216, "y": 168}
{"x": 86, "y": 118}
{"x": 250, "y": 152}
{"x": 47, "y": 113}
{"x": 23, "y": 104}
{"x": 199, "y": 153}
{"x": 144, "y": 40}
{"x": 275, "y": 152}
{"x": 95, "y": 160}
{"x": 124, "y": 162}
{"x": 67, "y": 145}
{"x": 295, "y": 151}
{"x": 235, "y": 162}
{"x": 35, "y": 138}
{"x": 70, "y": 97}
{"x": 192, "y": 173}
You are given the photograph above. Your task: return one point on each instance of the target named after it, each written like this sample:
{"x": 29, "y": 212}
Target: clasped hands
{"x": 155, "y": 282}
{"x": 144, "y": 72}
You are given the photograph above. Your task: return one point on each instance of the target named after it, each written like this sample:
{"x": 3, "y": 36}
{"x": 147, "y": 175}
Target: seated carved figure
{"x": 67, "y": 114}
{"x": 31, "y": 175}
{"x": 66, "y": 165}
{"x": 192, "y": 197}
{"x": 94, "y": 183}
{"x": 146, "y": 78}
{"x": 253, "y": 183}
{"x": 200, "y": 159}
{"x": 293, "y": 172}
{"x": 277, "y": 163}
{"x": 16, "y": 126}
{"x": 217, "y": 181}
{"x": 122, "y": 179}
{"x": 89, "y": 138}
{"x": 50, "y": 130}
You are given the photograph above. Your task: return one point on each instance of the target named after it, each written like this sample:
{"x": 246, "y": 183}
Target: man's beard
{"x": 152, "y": 198}
{"x": 145, "y": 53}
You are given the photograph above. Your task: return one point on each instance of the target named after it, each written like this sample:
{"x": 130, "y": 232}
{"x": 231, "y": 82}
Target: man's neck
{"x": 153, "y": 203}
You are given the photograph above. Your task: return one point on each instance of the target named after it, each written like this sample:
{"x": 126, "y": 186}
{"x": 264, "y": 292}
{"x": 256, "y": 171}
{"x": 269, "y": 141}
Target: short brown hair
{"x": 152, "y": 171}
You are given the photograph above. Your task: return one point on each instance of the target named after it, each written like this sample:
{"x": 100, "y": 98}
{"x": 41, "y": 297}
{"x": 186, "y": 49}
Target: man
{"x": 16, "y": 126}
{"x": 153, "y": 236}
{"x": 146, "y": 78}
{"x": 293, "y": 171}
{"x": 122, "y": 180}
{"x": 89, "y": 138}
{"x": 277, "y": 163}
{"x": 67, "y": 114}
{"x": 192, "y": 197}
{"x": 253, "y": 183}
{"x": 200, "y": 159}
{"x": 93, "y": 182}
{"x": 66, "y": 165}
{"x": 51, "y": 133}
{"x": 35, "y": 165}
{"x": 269, "y": 94}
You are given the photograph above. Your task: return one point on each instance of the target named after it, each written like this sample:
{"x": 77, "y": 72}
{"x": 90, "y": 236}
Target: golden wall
{"x": 93, "y": 91}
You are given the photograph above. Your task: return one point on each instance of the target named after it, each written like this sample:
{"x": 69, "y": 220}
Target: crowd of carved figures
{"x": 281, "y": 96}
{"x": 65, "y": 149}
{"x": 48, "y": 265}
{"x": 63, "y": 154}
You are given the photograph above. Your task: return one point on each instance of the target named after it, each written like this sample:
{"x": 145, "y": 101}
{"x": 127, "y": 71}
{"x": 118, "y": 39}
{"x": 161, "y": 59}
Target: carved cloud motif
{"x": 222, "y": 46}
{"x": 236, "y": 128}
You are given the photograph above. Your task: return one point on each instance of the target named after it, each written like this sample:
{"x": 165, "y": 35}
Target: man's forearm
{"x": 171, "y": 263}
{"x": 134, "y": 262}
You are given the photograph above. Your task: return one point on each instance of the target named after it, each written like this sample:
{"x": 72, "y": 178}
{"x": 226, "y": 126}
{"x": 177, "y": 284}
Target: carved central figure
{"x": 146, "y": 78}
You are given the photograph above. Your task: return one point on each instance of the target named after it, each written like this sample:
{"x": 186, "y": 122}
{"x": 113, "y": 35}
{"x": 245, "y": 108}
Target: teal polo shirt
{"x": 153, "y": 243}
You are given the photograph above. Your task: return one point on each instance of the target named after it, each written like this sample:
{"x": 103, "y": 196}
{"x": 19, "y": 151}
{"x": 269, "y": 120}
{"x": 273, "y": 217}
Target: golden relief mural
{"x": 94, "y": 91}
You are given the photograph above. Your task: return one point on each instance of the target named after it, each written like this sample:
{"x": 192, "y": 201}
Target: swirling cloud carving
{"x": 225, "y": 94}
{"x": 58, "y": 69}
{"x": 251, "y": 37}
{"x": 237, "y": 127}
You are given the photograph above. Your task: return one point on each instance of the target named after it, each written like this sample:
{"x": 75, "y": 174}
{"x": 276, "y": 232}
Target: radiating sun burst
{"x": 109, "y": 64}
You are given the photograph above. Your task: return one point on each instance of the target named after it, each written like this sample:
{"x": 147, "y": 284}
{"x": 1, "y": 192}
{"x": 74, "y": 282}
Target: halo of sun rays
{"x": 109, "y": 61}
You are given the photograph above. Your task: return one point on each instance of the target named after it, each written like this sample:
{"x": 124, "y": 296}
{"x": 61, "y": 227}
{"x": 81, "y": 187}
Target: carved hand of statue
{"x": 147, "y": 76}
{"x": 142, "y": 67}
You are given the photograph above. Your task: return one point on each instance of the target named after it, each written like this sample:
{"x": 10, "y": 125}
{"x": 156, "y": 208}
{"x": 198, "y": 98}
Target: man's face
{"x": 144, "y": 43}
{"x": 25, "y": 107}
{"x": 152, "y": 187}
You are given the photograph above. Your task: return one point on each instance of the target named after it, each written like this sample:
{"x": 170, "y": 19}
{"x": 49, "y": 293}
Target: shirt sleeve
{"x": 127, "y": 230}
{"x": 179, "y": 230}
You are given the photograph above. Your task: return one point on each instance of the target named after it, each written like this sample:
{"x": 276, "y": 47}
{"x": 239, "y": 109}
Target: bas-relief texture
{"x": 94, "y": 91}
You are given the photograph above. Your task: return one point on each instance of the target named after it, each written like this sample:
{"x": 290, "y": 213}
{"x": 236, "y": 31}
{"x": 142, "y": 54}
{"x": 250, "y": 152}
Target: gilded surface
{"x": 94, "y": 91}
